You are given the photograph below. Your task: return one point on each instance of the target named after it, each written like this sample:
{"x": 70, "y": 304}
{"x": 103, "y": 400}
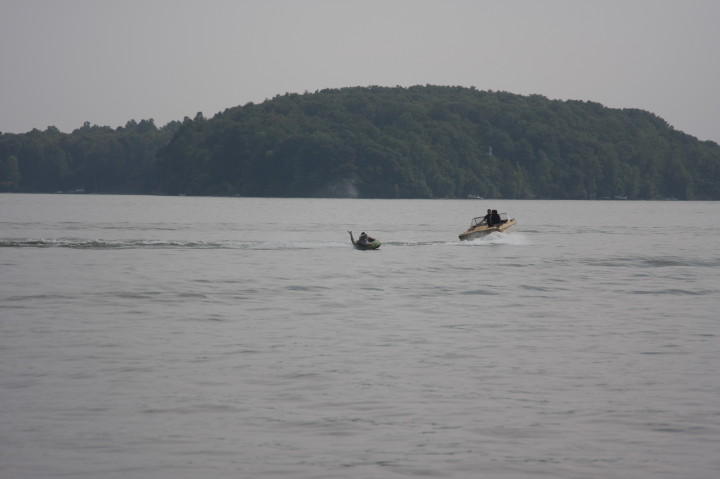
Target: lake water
{"x": 178, "y": 338}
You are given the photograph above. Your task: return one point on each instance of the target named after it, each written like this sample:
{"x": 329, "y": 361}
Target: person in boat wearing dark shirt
{"x": 495, "y": 218}
{"x": 487, "y": 219}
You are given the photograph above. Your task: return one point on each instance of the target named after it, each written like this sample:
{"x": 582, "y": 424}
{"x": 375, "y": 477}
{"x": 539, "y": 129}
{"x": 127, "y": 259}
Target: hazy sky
{"x": 64, "y": 62}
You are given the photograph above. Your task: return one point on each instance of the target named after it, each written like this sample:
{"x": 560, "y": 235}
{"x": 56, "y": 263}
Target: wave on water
{"x": 642, "y": 262}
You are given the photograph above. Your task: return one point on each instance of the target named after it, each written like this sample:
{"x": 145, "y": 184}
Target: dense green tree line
{"x": 417, "y": 142}
{"x": 92, "y": 159}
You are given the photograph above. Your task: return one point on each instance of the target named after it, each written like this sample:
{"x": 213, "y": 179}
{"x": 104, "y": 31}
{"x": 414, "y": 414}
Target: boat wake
{"x": 100, "y": 244}
{"x": 498, "y": 238}
{"x": 513, "y": 238}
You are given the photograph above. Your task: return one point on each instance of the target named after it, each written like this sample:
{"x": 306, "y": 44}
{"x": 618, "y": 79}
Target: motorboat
{"x": 479, "y": 227}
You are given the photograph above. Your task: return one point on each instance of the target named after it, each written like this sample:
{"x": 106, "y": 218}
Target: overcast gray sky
{"x": 64, "y": 62}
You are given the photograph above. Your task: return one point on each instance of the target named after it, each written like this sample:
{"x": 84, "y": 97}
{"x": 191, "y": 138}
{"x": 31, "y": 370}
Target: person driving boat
{"x": 487, "y": 219}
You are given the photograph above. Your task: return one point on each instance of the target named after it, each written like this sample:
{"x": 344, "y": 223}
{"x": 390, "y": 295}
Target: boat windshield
{"x": 480, "y": 220}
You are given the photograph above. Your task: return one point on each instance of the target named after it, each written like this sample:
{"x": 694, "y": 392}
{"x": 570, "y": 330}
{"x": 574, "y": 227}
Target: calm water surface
{"x": 244, "y": 338}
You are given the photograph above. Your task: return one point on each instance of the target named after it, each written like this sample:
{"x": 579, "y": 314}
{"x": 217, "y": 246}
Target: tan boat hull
{"x": 482, "y": 230}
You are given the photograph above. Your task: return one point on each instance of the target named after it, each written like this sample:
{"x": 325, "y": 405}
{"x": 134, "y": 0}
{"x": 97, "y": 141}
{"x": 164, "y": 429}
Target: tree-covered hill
{"x": 417, "y": 142}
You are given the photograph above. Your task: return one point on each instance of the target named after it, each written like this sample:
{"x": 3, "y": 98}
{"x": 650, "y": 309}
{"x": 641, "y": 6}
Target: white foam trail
{"x": 297, "y": 245}
{"x": 517, "y": 239}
